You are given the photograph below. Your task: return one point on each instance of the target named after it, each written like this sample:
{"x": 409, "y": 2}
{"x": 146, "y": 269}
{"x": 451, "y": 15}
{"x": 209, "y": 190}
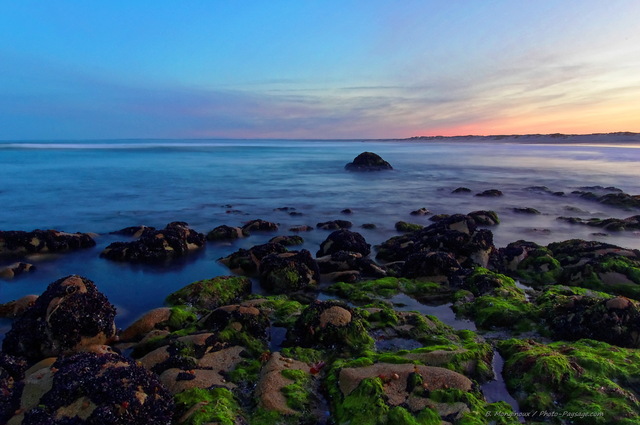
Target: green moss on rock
{"x": 201, "y": 406}
{"x": 212, "y": 293}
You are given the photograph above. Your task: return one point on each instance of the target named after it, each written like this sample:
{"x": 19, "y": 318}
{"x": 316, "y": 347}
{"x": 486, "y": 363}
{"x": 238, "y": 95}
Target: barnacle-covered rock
{"x": 93, "y": 389}
{"x": 175, "y": 240}
{"x": 289, "y": 272}
{"x": 69, "y": 315}
{"x": 260, "y": 226}
{"x": 344, "y": 240}
{"x": 225, "y": 233}
{"x": 247, "y": 261}
{"x": 11, "y": 375}
{"x": 19, "y": 243}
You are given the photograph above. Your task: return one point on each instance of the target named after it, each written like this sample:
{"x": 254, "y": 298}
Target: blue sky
{"x": 316, "y": 69}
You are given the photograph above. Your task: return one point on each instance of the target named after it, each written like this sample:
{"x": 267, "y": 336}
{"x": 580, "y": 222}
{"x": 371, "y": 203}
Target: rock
{"x": 15, "y": 269}
{"x": 134, "y": 231}
{"x": 212, "y": 293}
{"x": 369, "y": 226}
{"x": 247, "y": 261}
{"x": 287, "y": 240}
{"x": 259, "y": 226}
{"x": 330, "y": 325}
{"x": 344, "y": 240}
{"x": 69, "y": 315}
{"x": 612, "y": 224}
{"x": 347, "y": 263}
{"x": 525, "y": 210}
{"x": 289, "y": 272}
{"x": 403, "y": 226}
{"x": 421, "y": 211}
{"x": 17, "y": 243}
{"x": 490, "y": 193}
{"x": 301, "y": 228}
{"x": 175, "y": 240}
{"x": 485, "y": 218}
{"x": 225, "y": 233}
{"x": 434, "y": 378}
{"x": 436, "y": 266}
{"x": 346, "y": 211}
{"x": 368, "y": 161}
{"x": 12, "y": 371}
{"x": 16, "y": 308}
{"x": 106, "y": 389}
{"x": 146, "y": 324}
{"x": 269, "y": 390}
{"x": 239, "y": 318}
{"x": 334, "y": 225}
{"x": 461, "y": 190}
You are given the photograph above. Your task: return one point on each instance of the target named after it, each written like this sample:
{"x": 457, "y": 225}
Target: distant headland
{"x": 607, "y": 138}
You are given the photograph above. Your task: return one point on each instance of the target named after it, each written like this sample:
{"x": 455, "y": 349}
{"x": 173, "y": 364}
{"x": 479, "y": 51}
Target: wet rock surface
{"x": 17, "y": 243}
{"x": 175, "y": 240}
{"x": 368, "y": 161}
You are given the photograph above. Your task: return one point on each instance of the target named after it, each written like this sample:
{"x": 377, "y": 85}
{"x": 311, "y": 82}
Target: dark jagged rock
{"x": 175, "y": 240}
{"x": 89, "y": 388}
{"x": 247, "y": 261}
{"x": 420, "y": 211}
{"x": 335, "y": 225}
{"x": 525, "y": 210}
{"x": 212, "y": 293}
{"x": 613, "y": 224}
{"x": 330, "y": 325}
{"x": 456, "y": 234}
{"x": 134, "y": 231}
{"x": 528, "y": 261}
{"x": 490, "y": 193}
{"x": 225, "y": 233}
{"x": 288, "y": 272}
{"x": 436, "y": 266}
{"x": 240, "y": 318}
{"x": 287, "y": 240}
{"x": 69, "y": 315}
{"x": 11, "y": 375}
{"x": 15, "y": 269}
{"x": 17, "y": 243}
{"x": 575, "y": 313}
{"x": 403, "y": 226}
{"x": 461, "y": 190}
{"x": 13, "y": 309}
{"x": 485, "y": 218}
{"x": 259, "y": 225}
{"x": 349, "y": 266}
{"x": 368, "y": 161}
{"x": 344, "y": 240}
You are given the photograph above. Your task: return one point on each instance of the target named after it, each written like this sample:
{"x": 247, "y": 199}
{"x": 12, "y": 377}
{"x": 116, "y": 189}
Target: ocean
{"x": 103, "y": 186}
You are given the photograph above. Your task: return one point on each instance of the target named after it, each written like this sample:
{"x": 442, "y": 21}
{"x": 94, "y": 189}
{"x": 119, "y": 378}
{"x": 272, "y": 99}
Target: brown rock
{"x": 145, "y": 324}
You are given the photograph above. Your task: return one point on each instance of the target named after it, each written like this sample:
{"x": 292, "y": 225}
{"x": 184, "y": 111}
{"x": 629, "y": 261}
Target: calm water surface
{"x": 105, "y": 186}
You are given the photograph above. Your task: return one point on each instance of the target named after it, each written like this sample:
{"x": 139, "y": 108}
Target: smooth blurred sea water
{"x": 107, "y": 185}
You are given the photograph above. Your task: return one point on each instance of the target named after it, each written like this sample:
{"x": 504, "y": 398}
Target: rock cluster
{"x": 17, "y": 243}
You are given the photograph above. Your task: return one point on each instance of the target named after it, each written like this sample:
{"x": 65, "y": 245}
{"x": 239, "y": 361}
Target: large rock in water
{"x": 90, "y": 388}
{"x": 368, "y": 161}
{"x": 19, "y": 243}
{"x": 175, "y": 240}
{"x": 70, "y": 315}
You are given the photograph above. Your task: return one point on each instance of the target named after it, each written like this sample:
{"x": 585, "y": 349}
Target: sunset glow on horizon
{"x": 352, "y": 69}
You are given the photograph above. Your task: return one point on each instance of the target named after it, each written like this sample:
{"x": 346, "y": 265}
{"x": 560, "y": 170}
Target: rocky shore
{"x": 291, "y": 336}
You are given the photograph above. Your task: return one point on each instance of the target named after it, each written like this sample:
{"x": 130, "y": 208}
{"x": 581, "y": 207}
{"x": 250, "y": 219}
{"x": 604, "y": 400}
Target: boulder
{"x": 134, "y": 231}
{"x": 175, "y": 240}
{"x": 106, "y": 389}
{"x": 17, "y": 243}
{"x": 247, "y": 261}
{"x": 70, "y": 315}
{"x": 335, "y": 225}
{"x": 344, "y": 240}
{"x": 368, "y": 161}
{"x": 212, "y": 293}
{"x": 225, "y": 233}
{"x": 16, "y": 308}
{"x": 288, "y": 272}
{"x": 15, "y": 269}
{"x": 492, "y": 193}
{"x": 259, "y": 226}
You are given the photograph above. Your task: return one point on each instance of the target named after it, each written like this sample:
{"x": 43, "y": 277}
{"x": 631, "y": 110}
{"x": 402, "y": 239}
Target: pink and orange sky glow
{"x": 317, "y": 69}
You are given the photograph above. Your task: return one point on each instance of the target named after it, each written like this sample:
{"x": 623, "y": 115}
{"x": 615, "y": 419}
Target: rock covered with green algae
{"x": 200, "y": 406}
{"x": 586, "y": 382}
{"x": 575, "y": 313}
{"x": 495, "y": 301}
{"x": 93, "y": 389}
{"x": 212, "y": 293}
{"x": 289, "y": 272}
{"x": 69, "y": 315}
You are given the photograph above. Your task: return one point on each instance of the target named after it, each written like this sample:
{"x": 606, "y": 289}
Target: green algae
{"x": 539, "y": 268}
{"x": 217, "y": 405}
{"x": 297, "y": 393}
{"x": 403, "y": 226}
{"x": 591, "y": 381}
{"x": 370, "y": 290}
{"x": 211, "y": 293}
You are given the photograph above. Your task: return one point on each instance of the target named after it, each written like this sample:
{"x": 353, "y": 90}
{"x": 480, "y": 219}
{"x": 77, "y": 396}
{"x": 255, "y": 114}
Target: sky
{"x": 317, "y": 69}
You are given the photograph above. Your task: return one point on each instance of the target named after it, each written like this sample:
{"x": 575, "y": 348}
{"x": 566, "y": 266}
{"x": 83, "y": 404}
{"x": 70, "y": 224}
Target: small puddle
{"x": 277, "y": 335}
{"x": 496, "y": 390}
{"x": 403, "y": 302}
